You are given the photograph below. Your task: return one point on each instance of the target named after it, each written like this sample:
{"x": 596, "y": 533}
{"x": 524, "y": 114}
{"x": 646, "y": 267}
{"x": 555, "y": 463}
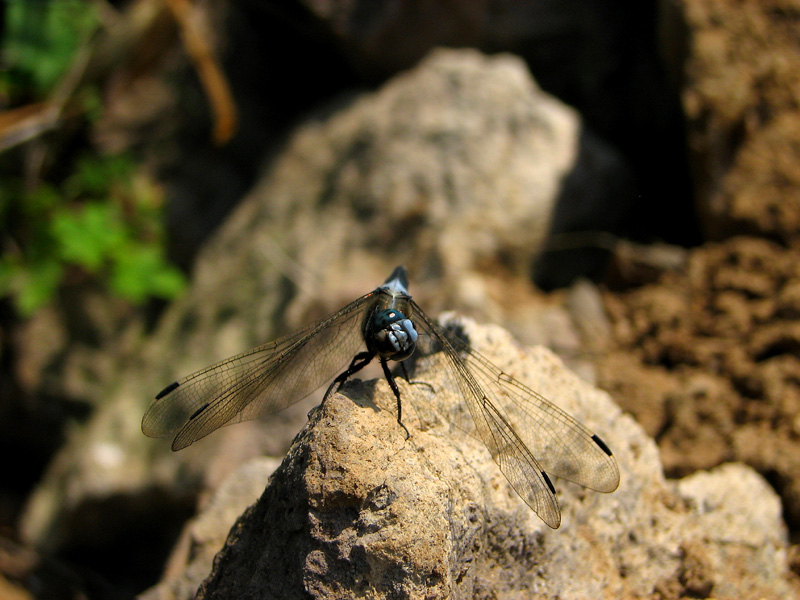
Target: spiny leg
{"x": 416, "y": 381}
{"x": 392, "y": 384}
{"x": 360, "y": 360}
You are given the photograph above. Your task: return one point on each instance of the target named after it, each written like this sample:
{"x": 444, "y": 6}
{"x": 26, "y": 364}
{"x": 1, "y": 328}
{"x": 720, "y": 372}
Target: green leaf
{"x": 37, "y": 286}
{"x": 141, "y": 272}
{"x": 89, "y": 235}
{"x": 168, "y": 282}
{"x": 43, "y": 199}
{"x": 104, "y": 218}
{"x": 40, "y": 38}
{"x": 97, "y": 177}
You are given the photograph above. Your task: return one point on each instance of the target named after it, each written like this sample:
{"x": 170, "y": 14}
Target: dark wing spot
{"x": 198, "y": 411}
{"x": 602, "y": 444}
{"x": 548, "y": 482}
{"x": 167, "y": 390}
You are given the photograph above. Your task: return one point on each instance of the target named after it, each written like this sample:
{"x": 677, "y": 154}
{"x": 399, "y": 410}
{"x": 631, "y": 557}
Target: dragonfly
{"x": 529, "y": 437}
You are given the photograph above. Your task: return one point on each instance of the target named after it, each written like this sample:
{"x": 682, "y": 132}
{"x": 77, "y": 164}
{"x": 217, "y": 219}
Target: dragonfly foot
{"x": 408, "y": 435}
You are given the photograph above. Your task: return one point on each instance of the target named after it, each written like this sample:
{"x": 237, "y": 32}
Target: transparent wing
{"x": 565, "y": 447}
{"x": 258, "y": 382}
{"x": 527, "y": 435}
{"x": 515, "y": 460}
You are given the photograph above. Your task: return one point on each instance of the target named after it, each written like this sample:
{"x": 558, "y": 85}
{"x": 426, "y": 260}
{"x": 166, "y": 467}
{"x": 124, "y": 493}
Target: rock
{"x": 358, "y": 510}
{"x": 598, "y": 56}
{"x": 740, "y": 516}
{"x": 205, "y": 534}
{"x": 452, "y": 169}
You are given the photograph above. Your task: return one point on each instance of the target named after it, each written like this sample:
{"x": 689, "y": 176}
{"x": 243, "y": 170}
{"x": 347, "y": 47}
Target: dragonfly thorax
{"x": 391, "y": 335}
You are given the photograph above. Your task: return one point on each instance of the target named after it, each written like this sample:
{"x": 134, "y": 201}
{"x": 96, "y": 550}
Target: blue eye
{"x": 395, "y": 336}
{"x": 386, "y": 317}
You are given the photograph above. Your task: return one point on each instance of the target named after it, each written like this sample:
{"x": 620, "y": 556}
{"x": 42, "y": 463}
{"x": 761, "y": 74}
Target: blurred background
{"x": 181, "y": 180}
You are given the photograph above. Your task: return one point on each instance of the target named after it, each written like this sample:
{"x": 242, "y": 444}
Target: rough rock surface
{"x": 463, "y": 156}
{"x": 356, "y": 510}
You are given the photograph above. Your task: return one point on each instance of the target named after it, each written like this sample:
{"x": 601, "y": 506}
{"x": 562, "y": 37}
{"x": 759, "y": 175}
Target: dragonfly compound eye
{"x": 395, "y": 335}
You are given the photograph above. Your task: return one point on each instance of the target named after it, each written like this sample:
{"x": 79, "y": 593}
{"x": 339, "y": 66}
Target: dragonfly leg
{"x": 392, "y": 384}
{"x": 360, "y": 360}
{"x": 416, "y": 381}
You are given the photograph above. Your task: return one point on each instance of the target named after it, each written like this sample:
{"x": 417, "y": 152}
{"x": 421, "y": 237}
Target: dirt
{"x": 708, "y": 360}
{"x": 707, "y": 357}
{"x": 740, "y": 90}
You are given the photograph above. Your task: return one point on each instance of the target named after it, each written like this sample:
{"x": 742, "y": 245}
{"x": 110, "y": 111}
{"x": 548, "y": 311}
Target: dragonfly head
{"x": 395, "y": 336}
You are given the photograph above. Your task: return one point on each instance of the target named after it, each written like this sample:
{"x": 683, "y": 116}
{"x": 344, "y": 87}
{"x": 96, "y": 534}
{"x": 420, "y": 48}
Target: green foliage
{"x": 40, "y": 39}
{"x": 104, "y": 220}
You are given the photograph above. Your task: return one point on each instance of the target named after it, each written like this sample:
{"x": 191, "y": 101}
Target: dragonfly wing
{"x": 258, "y": 382}
{"x": 494, "y": 428}
{"x": 563, "y": 446}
